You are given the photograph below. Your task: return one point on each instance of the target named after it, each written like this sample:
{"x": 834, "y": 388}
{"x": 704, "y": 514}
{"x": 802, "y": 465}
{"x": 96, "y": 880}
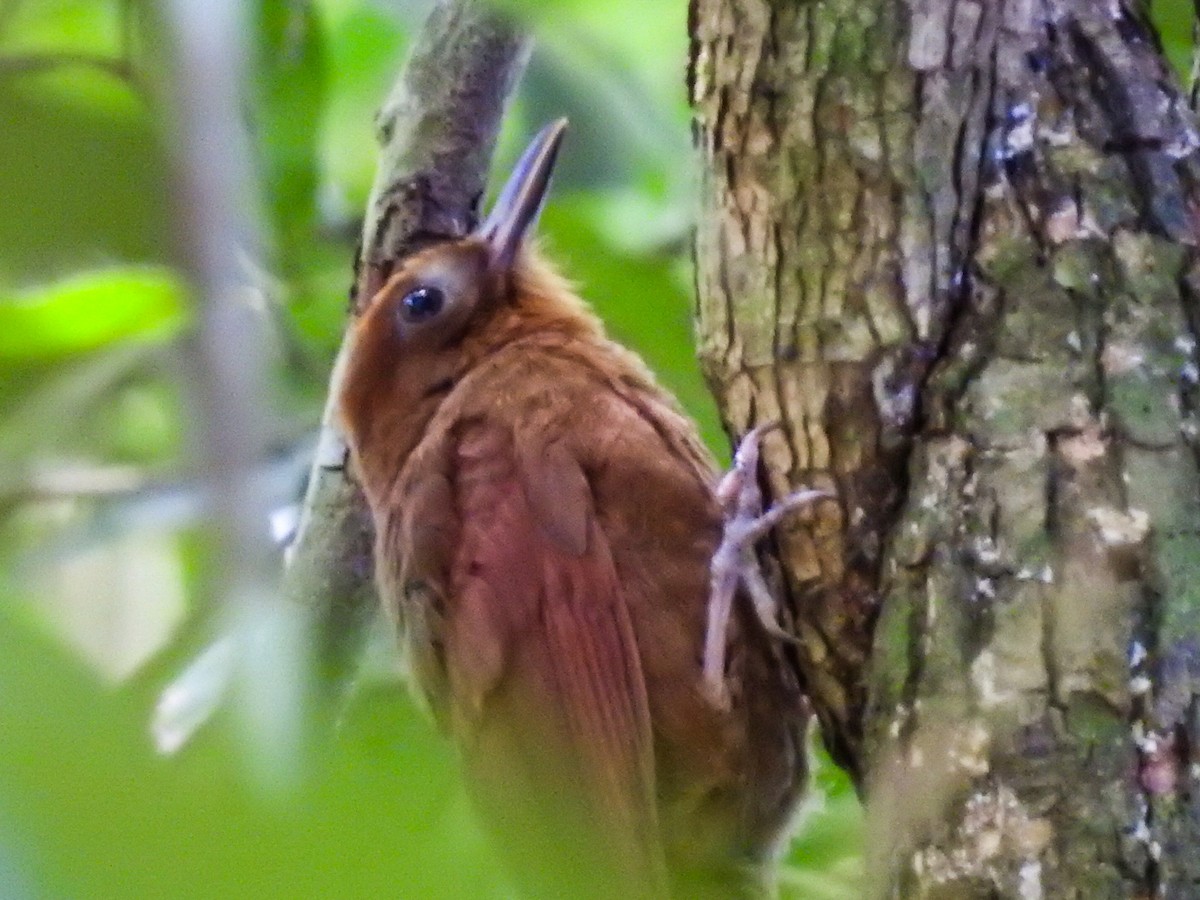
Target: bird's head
{"x": 444, "y": 308}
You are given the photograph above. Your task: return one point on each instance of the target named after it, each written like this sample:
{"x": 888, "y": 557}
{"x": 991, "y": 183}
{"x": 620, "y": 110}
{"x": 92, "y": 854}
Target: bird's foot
{"x": 734, "y": 561}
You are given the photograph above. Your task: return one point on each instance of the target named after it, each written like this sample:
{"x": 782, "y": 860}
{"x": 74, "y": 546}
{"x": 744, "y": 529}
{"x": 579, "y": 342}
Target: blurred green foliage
{"x": 89, "y": 311}
{"x": 102, "y": 561}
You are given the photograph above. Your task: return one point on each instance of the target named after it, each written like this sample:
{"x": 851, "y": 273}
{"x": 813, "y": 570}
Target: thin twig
{"x": 83, "y": 482}
{"x": 54, "y": 60}
{"x": 213, "y": 175}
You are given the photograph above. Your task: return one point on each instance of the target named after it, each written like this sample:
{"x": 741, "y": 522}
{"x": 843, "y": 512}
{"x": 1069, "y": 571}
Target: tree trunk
{"x": 951, "y": 247}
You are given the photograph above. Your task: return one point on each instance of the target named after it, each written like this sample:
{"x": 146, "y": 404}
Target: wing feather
{"x": 557, "y": 740}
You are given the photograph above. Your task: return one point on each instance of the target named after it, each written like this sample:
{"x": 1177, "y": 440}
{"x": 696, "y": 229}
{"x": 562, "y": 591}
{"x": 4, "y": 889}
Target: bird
{"x": 571, "y": 579}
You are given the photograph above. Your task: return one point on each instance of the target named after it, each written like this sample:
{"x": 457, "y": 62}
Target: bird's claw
{"x": 734, "y": 561}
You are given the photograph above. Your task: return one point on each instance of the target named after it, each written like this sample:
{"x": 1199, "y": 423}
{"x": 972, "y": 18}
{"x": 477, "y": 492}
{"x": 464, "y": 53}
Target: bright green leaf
{"x": 89, "y": 311}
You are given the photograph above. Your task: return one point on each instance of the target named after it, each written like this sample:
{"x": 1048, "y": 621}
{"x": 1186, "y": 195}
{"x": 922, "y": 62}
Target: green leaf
{"x": 1173, "y": 20}
{"x": 89, "y": 311}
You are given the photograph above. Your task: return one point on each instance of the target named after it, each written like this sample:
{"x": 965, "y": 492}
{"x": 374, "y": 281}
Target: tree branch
{"x": 213, "y": 178}
{"x": 437, "y": 132}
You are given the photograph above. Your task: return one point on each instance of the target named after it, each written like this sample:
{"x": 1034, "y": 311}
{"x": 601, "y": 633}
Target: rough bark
{"x": 951, "y": 245}
{"x": 801, "y": 263}
{"x": 437, "y": 131}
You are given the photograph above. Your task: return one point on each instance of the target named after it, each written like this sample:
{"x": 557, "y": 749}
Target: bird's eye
{"x": 422, "y": 303}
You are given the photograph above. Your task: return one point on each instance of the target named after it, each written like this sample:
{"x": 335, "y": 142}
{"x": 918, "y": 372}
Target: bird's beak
{"x": 518, "y": 205}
